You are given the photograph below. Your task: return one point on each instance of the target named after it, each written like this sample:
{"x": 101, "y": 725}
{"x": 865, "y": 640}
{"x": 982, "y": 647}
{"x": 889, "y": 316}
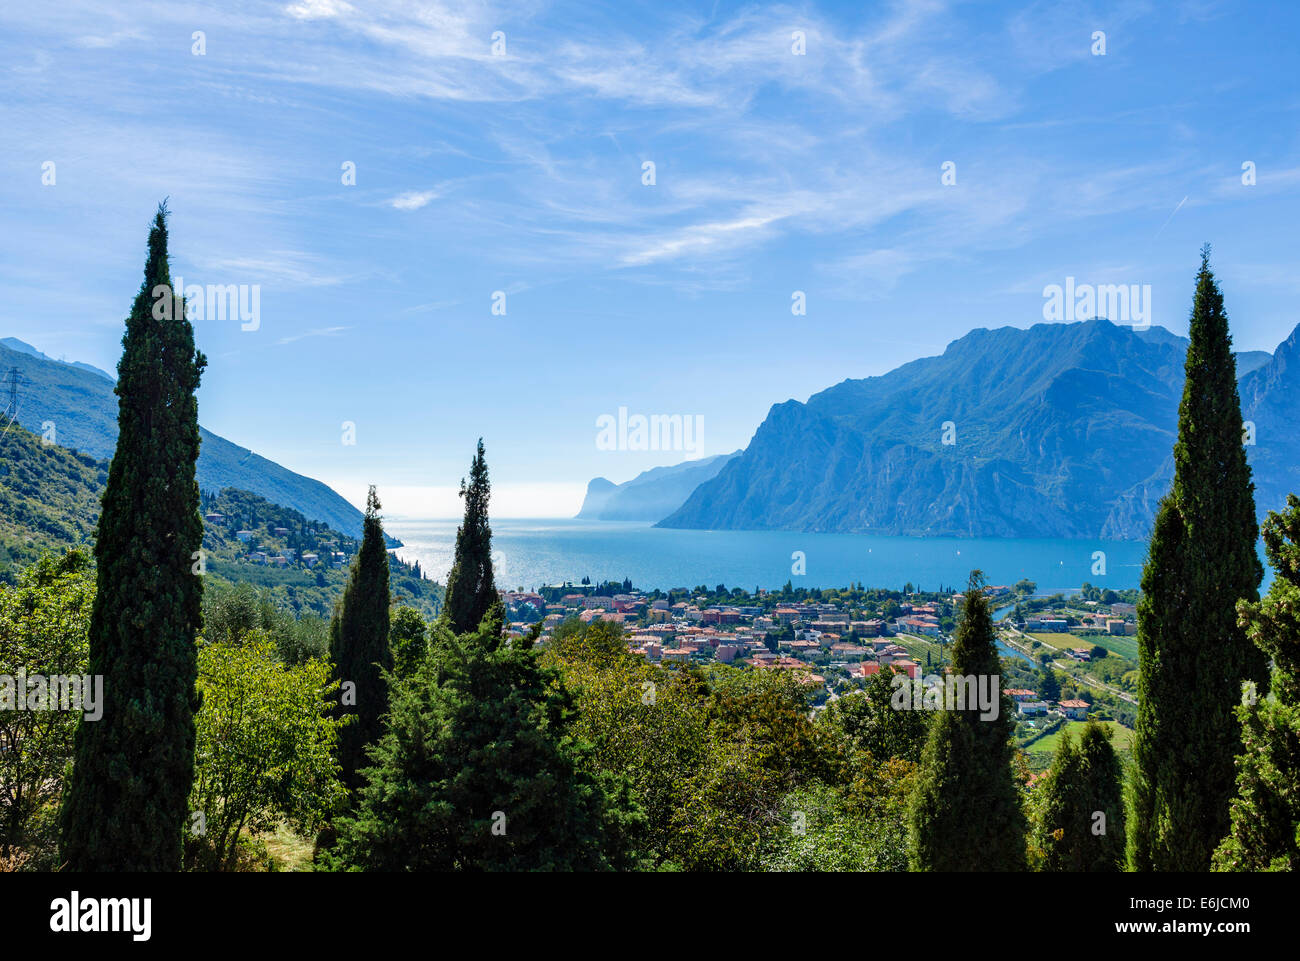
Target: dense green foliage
{"x": 409, "y": 640}
{"x": 44, "y": 622}
{"x": 471, "y": 590}
{"x": 313, "y": 577}
{"x": 49, "y": 499}
{"x": 1193, "y": 654}
{"x": 1265, "y": 814}
{"x": 265, "y": 748}
{"x": 478, "y": 770}
{"x": 127, "y": 807}
{"x": 230, "y": 612}
{"x": 727, "y": 765}
{"x": 966, "y": 813}
{"x": 871, "y": 722}
{"x": 359, "y": 647}
{"x": 1078, "y": 813}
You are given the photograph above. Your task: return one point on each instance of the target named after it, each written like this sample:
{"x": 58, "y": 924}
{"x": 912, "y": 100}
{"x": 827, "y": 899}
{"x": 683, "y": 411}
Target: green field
{"x": 1121, "y": 737}
{"x": 1062, "y": 642}
{"x": 919, "y": 647}
{"x": 1125, "y": 647}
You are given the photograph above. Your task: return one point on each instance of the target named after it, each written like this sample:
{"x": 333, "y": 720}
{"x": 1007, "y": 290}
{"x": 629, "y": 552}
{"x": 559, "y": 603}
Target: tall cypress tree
{"x": 1265, "y": 832}
{"x": 966, "y": 813}
{"x": 359, "y": 646}
{"x": 1192, "y": 653}
{"x": 471, "y": 591}
{"x": 126, "y": 807}
{"x": 1083, "y": 783}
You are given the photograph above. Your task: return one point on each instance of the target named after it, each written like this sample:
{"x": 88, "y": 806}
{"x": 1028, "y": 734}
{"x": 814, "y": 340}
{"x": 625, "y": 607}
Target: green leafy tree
{"x": 1265, "y": 822}
{"x": 359, "y": 646}
{"x": 409, "y": 639}
{"x": 761, "y": 746}
{"x": 127, "y": 804}
{"x": 1193, "y": 654}
{"x": 265, "y": 748}
{"x": 471, "y": 590}
{"x": 478, "y": 770}
{"x": 643, "y": 723}
{"x": 44, "y": 622}
{"x": 966, "y": 813}
{"x": 869, "y": 720}
{"x": 1078, "y": 815}
{"x": 828, "y": 828}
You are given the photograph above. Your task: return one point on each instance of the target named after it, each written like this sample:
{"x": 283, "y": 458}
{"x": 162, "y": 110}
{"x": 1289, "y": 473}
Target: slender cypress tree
{"x": 126, "y": 807}
{"x": 1265, "y": 832}
{"x": 1079, "y": 823}
{"x": 966, "y": 813}
{"x": 359, "y": 646}
{"x": 471, "y": 591}
{"x": 1192, "y": 653}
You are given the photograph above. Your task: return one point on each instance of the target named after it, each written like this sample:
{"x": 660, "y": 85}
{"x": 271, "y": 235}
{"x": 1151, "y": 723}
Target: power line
{"x": 12, "y": 380}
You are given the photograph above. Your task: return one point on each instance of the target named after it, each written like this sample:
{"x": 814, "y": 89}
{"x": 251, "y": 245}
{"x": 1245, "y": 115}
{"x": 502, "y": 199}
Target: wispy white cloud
{"x": 413, "y": 199}
{"x": 318, "y": 332}
{"x": 290, "y": 268}
{"x": 318, "y": 9}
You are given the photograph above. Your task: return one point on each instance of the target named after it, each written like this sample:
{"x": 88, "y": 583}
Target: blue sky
{"x": 523, "y": 173}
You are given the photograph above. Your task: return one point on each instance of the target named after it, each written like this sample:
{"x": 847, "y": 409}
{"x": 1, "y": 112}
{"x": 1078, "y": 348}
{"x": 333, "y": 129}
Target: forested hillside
{"x": 49, "y": 501}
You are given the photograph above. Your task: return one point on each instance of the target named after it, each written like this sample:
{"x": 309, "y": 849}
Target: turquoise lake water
{"x": 530, "y": 553}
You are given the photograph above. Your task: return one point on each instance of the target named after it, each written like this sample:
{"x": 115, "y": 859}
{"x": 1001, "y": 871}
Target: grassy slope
{"x": 1121, "y": 737}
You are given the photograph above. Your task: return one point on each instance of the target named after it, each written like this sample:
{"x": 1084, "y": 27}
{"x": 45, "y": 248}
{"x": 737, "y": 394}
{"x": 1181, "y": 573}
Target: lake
{"x": 530, "y": 553}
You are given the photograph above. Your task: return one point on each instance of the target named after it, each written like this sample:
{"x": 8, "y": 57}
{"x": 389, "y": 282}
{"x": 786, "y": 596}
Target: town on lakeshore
{"x": 831, "y": 641}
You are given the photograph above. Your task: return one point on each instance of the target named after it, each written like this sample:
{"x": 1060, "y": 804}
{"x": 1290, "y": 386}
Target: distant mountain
{"x": 1270, "y": 398}
{"x": 79, "y": 401}
{"x": 1061, "y": 430}
{"x": 652, "y": 495}
{"x": 599, "y": 491}
{"x": 13, "y": 343}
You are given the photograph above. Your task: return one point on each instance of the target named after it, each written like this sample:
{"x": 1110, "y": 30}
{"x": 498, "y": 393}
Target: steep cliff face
{"x": 1055, "y": 431}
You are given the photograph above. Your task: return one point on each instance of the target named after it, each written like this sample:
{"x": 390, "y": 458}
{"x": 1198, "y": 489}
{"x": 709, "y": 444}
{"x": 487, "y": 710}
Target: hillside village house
{"x": 1075, "y": 710}
{"x": 917, "y": 624}
{"x": 910, "y": 668}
